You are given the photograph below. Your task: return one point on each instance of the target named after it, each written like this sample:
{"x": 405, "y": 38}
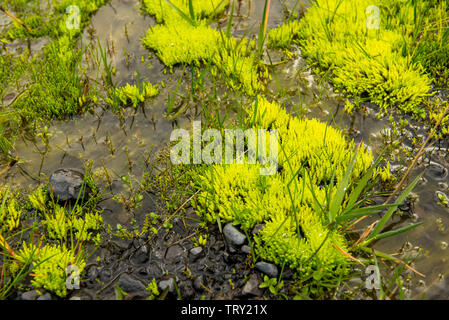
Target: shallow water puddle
{"x": 102, "y": 137}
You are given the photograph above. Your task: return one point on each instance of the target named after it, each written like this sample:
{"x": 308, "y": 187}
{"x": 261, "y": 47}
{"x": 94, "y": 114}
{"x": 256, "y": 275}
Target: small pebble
{"x": 234, "y": 235}
{"x": 167, "y": 283}
{"x": 46, "y": 296}
{"x": 29, "y": 295}
{"x": 267, "y": 268}
{"x": 246, "y": 249}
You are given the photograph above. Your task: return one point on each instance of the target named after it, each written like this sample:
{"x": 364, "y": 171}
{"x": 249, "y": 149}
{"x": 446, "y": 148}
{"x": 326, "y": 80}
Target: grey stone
{"x": 66, "y": 184}
{"x": 75, "y": 298}
{"x": 196, "y": 253}
{"x": 45, "y": 296}
{"x": 251, "y": 287}
{"x": 29, "y": 295}
{"x": 128, "y": 284}
{"x": 233, "y": 235}
{"x": 167, "y": 283}
{"x": 246, "y": 249}
{"x": 267, "y": 268}
{"x": 174, "y": 251}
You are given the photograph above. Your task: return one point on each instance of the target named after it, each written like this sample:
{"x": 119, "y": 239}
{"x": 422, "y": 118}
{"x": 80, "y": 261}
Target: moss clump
{"x": 56, "y": 85}
{"x": 363, "y": 61}
{"x": 63, "y": 236}
{"x": 295, "y": 231}
{"x": 180, "y": 40}
{"x": 283, "y": 36}
{"x": 48, "y": 19}
{"x": 51, "y": 262}
{"x": 164, "y": 12}
{"x": 133, "y": 94}
{"x": 10, "y": 211}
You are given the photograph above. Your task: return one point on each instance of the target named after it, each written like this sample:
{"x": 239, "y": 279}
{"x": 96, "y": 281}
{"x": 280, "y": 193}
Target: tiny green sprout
{"x": 202, "y": 240}
{"x": 167, "y": 225}
{"x": 349, "y": 107}
{"x": 119, "y": 293}
{"x": 139, "y": 197}
{"x": 272, "y": 284}
{"x": 443, "y": 199}
{"x": 153, "y": 289}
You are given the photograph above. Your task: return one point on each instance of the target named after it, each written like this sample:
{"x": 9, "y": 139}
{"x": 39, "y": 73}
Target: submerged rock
{"x": 65, "y": 184}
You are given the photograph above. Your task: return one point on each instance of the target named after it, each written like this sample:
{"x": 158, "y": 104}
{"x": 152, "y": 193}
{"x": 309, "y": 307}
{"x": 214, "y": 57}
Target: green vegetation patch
{"x": 313, "y": 158}
{"x": 54, "y": 240}
{"x": 164, "y": 11}
{"x": 131, "y": 94}
{"x": 47, "y": 84}
{"x": 49, "y": 19}
{"x": 179, "y": 42}
{"x": 341, "y": 37}
{"x": 186, "y": 37}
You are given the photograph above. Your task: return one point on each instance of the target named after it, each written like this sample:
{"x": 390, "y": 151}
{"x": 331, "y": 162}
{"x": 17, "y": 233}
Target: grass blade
{"x": 390, "y": 212}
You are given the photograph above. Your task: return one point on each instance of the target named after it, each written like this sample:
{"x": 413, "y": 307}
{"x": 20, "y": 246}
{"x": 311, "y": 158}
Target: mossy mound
{"x": 164, "y": 12}
{"x": 179, "y": 42}
{"x": 313, "y": 158}
{"x": 57, "y": 238}
{"x": 181, "y": 38}
{"x": 365, "y": 61}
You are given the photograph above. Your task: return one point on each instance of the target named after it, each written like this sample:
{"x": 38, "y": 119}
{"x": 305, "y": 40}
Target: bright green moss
{"x": 283, "y": 35}
{"x": 179, "y": 42}
{"x": 164, "y": 12}
{"x": 239, "y": 194}
{"x": 134, "y": 95}
{"x": 10, "y": 211}
{"x": 63, "y": 235}
{"x": 50, "y": 21}
{"x": 60, "y": 224}
{"x": 241, "y": 72}
{"x": 46, "y": 98}
{"x": 363, "y": 61}
{"x": 50, "y": 265}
